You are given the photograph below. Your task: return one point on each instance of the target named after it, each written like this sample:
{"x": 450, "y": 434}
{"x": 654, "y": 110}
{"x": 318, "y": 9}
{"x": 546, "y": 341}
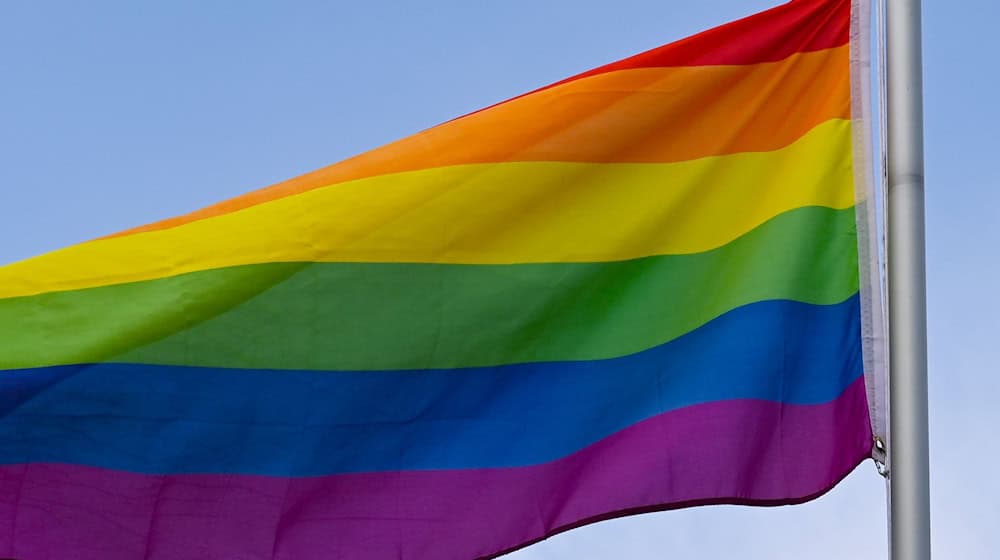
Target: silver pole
{"x": 909, "y": 492}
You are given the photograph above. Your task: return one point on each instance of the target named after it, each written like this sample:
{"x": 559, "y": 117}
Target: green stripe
{"x": 361, "y": 316}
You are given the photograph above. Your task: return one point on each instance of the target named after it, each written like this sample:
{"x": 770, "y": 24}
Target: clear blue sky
{"x": 114, "y": 114}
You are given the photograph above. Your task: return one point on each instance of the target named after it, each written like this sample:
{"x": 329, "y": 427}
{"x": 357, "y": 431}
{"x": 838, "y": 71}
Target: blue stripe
{"x": 170, "y": 419}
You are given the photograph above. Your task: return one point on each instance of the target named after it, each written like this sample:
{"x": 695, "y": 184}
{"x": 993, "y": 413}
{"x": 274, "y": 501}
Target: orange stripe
{"x": 641, "y": 115}
{"x": 801, "y": 26}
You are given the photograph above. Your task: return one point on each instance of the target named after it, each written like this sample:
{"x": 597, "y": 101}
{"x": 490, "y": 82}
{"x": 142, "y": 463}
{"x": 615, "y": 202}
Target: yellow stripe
{"x": 624, "y": 116}
{"x": 480, "y": 213}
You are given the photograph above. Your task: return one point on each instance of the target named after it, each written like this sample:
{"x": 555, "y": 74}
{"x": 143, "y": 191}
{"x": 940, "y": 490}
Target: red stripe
{"x": 769, "y": 36}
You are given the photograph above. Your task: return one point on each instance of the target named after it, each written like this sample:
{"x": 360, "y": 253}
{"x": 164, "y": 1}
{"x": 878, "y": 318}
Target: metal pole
{"x": 909, "y": 492}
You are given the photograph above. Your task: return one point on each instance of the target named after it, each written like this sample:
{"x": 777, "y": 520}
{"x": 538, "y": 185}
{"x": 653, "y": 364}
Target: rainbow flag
{"x": 635, "y": 289}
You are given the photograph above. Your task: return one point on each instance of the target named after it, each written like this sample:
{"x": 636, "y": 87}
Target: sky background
{"x": 114, "y": 114}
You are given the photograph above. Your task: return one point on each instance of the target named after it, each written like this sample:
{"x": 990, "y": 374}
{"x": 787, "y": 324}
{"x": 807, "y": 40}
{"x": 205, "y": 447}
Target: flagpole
{"x": 909, "y": 492}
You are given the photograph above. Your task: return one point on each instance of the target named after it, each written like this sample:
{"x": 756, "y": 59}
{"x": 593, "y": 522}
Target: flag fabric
{"x": 635, "y": 289}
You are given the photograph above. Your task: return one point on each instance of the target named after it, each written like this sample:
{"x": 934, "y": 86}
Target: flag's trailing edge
{"x": 635, "y": 289}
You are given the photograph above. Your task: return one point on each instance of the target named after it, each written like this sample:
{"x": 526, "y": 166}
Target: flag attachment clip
{"x": 880, "y": 454}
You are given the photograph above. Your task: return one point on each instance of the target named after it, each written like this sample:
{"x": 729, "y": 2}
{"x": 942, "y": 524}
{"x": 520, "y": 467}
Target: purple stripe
{"x": 742, "y": 451}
